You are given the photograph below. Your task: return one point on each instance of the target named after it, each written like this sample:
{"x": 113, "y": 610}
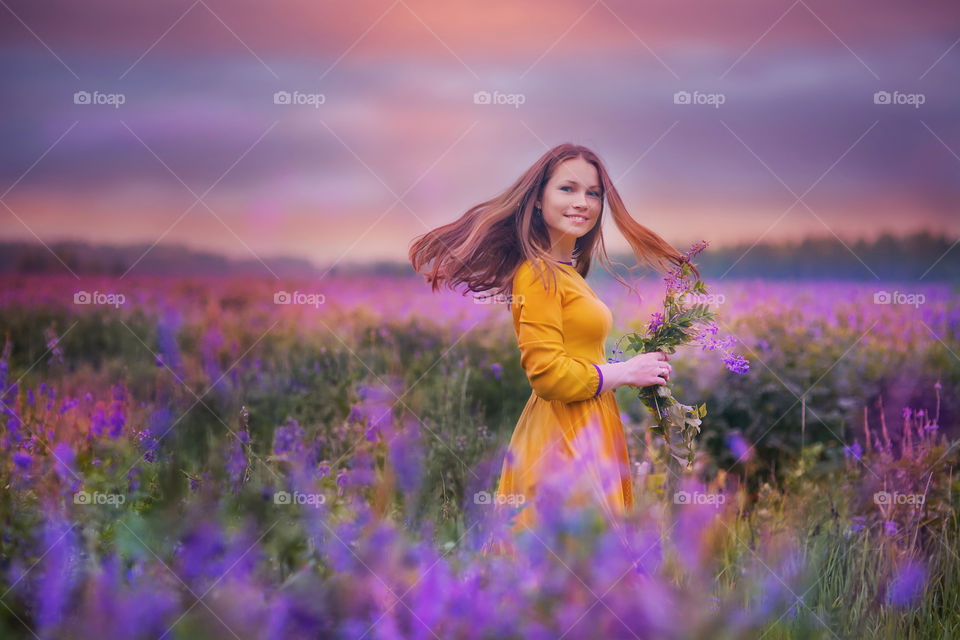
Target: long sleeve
{"x": 553, "y": 373}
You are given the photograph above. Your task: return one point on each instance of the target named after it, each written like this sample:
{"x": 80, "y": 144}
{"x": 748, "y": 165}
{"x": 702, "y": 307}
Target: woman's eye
{"x": 593, "y": 193}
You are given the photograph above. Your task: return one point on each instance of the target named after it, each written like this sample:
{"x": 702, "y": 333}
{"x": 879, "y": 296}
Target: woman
{"x": 549, "y": 222}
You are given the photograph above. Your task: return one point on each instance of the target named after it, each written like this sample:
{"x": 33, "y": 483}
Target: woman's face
{"x": 571, "y": 200}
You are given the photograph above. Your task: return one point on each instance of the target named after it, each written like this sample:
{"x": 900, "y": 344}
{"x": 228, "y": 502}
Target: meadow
{"x": 253, "y": 458}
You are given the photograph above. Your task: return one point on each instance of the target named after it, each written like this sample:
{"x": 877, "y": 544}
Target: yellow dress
{"x": 566, "y": 424}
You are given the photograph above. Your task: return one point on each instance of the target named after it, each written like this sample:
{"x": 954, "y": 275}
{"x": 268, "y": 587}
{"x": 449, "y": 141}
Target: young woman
{"x": 549, "y": 222}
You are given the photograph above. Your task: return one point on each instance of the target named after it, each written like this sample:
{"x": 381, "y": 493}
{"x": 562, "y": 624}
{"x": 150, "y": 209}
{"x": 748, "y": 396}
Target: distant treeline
{"x": 908, "y": 258}
{"x": 921, "y": 255}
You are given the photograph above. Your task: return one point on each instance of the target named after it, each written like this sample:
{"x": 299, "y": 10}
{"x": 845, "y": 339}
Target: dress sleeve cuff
{"x": 600, "y": 383}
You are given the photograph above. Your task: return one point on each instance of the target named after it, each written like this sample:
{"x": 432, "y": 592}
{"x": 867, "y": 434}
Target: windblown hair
{"x": 484, "y": 247}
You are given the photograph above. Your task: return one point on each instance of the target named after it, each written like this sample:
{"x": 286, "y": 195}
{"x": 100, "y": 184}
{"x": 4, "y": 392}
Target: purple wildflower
{"x": 736, "y": 363}
{"x": 236, "y": 463}
{"x": 738, "y": 446}
{"x": 323, "y": 469}
{"x": 853, "y": 451}
{"x": 288, "y": 438}
{"x": 64, "y": 459}
{"x": 907, "y": 585}
{"x": 22, "y": 459}
{"x": 117, "y": 417}
{"x": 655, "y": 321}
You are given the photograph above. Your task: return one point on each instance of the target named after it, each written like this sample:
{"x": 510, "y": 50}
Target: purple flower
{"x": 655, "y": 321}
{"x": 736, "y": 363}
{"x": 890, "y": 528}
{"x": 97, "y": 422}
{"x": 676, "y": 280}
{"x": 64, "y": 458}
{"x": 288, "y": 439}
{"x": 405, "y": 452}
{"x": 22, "y": 459}
{"x": 323, "y": 469}
{"x": 133, "y": 479}
{"x": 167, "y": 329}
{"x": 236, "y": 463}
{"x": 907, "y": 584}
{"x": 117, "y": 417}
{"x": 13, "y": 430}
{"x": 738, "y": 446}
{"x": 497, "y": 369}
{"x": 375, "y": 408}
{"x": 59, "y": 573}
{"x": 853, "y": 451}
{"x": 149, "y": 444}
{"x": 859, "y": 523}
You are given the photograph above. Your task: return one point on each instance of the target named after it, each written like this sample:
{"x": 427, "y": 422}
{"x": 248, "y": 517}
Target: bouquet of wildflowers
{"x": 686, "y": 318}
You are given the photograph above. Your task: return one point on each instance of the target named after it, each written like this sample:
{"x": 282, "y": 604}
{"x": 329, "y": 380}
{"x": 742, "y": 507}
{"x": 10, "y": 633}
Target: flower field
{"x": 260, "y": 458}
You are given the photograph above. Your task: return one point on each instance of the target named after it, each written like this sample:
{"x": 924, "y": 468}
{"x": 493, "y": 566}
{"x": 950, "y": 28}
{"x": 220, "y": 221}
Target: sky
{"x": 339, "y": 131}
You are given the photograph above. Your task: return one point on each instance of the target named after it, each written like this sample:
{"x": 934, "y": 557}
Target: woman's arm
{"x": 641, "y": 370}
{"x": 553, "y": 373}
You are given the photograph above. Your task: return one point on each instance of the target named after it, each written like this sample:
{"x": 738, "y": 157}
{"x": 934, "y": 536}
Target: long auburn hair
{"x": 485, "y": 246}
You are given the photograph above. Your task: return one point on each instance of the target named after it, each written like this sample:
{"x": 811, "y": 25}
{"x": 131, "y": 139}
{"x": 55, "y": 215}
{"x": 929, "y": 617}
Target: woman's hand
{"x": 647, "y": 369}
{"x": 642, "y": 370}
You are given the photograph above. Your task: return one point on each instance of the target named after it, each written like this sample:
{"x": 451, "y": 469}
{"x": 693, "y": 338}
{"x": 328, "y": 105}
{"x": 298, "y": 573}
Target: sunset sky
{"x": 399, "y": 144}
